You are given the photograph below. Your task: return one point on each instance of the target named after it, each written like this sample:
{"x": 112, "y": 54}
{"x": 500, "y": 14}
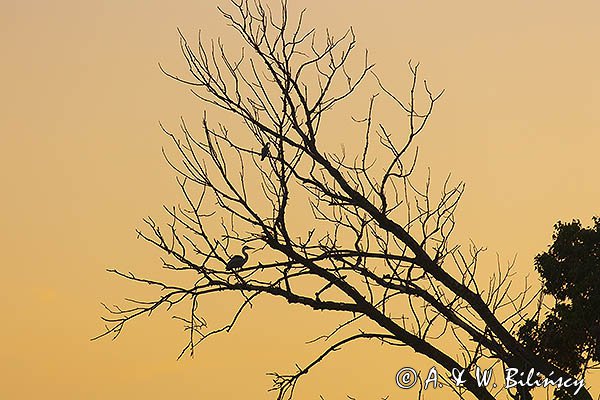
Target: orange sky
{"x": 81, "y": 166}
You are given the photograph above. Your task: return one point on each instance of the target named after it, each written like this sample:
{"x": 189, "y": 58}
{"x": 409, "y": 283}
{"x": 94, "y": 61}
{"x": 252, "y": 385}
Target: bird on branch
{"x": 265, "y": 152}
{"x": 238, "y": 261}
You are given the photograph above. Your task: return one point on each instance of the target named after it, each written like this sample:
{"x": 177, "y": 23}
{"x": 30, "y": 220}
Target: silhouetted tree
{"x": 568, "y": 333}
{"x": 372, "y": 243}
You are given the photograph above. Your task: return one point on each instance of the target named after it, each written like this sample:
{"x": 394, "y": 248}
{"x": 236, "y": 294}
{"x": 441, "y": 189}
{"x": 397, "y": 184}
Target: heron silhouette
{"x": 264, "y": 153}
{"x": 238, "y": 261}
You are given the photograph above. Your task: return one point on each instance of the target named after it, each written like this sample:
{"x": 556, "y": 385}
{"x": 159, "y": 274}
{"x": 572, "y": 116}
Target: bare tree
{"x": 376, "y": 244}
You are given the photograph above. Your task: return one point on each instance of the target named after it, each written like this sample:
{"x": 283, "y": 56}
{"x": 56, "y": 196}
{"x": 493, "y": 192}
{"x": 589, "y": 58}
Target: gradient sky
{"x": 81, "y": 166}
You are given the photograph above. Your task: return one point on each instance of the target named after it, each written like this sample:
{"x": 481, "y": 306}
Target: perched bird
{"x": 238, "y": 261}
{"x": 264, "y": 153}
